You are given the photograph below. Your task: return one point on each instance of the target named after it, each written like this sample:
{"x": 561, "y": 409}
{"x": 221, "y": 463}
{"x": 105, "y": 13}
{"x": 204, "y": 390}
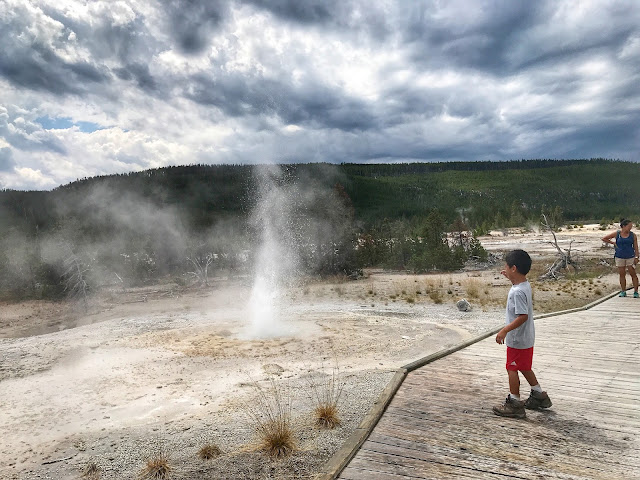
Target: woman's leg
{"x": 623, "y": 278}
{"x": 634, "y": 277}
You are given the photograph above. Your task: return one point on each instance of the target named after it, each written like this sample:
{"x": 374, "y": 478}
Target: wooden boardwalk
{"x": 440, "y": 423}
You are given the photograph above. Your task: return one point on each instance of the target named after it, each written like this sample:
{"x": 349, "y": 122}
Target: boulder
{"x": 463, "y": 305}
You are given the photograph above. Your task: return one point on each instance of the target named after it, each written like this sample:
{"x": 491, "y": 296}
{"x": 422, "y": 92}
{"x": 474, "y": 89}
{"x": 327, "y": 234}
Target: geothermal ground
{"x": 165, "y": 370}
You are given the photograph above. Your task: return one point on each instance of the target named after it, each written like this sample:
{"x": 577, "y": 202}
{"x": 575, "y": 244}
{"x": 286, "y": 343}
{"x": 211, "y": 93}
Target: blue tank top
{"x": 624, "y": 246}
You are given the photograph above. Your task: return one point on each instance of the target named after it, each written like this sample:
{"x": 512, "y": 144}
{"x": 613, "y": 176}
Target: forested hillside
{"x": 136, "y": 227}
{"x": 497, "y": 193}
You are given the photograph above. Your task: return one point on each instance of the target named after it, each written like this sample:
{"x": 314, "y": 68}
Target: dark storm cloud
{"x": 311, "y": 11}
{"x": 507, "y": 37}
{"x": 479, "y": 43}
{"x": 346, "y": 16}
{"x": 313, "y": 105}
{"x": 599, "y": 139}
{"x": 139, "y": 73}
{"x": 38, "y": 68}
{"x": 128, "y": 42}
{"x": 194, "y": 22}
{"x": 607, "y": 44}
{"x": 35, "y": 65}
{"x": 6, "y": 160}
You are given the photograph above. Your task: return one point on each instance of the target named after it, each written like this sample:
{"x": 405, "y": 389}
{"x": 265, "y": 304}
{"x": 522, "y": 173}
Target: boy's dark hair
{"x": 520, "y": 259}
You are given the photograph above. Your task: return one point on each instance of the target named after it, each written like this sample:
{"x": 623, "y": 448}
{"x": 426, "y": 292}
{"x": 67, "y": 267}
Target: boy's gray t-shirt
{"x": 518, "y": 302}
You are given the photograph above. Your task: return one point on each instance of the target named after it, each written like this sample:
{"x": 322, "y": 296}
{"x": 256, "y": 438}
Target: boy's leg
{"x": 530, "y": 377}
{"x": 512, "y": 407}
{"x": 537, "y": 398}
{"x": 514, "y": 383}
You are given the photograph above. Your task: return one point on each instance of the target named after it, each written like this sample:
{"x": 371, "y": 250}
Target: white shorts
{"x": 624, "y": 262}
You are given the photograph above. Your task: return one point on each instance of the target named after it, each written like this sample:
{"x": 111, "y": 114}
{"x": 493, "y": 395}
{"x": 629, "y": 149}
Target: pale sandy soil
{"x": 167, "y": 369}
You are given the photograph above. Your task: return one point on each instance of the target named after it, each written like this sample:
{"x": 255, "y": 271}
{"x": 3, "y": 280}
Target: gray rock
{"x": 463, "y": 305}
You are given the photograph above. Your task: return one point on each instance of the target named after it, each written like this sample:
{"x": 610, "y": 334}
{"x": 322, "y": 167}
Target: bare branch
{"x": 565, "y": 256}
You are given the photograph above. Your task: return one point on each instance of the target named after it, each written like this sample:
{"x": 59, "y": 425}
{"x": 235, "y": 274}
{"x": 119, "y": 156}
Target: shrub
{"x": 209, "y": 451}
{"x": 91, "y": 471}
{"x": 157, "y": 468}
{"x": 272, "y": 420}
{"x": 326, "y": 394}
{"x": 472, "y": 287}
{"x": 435, "y": 295}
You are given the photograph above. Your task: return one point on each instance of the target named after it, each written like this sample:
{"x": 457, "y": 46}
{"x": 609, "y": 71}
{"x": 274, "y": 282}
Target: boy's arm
{"x": 519, "y": 320}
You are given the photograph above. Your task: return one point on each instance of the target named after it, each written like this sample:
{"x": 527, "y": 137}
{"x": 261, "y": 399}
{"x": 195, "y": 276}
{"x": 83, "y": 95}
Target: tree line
{"x": 187, "y": 223}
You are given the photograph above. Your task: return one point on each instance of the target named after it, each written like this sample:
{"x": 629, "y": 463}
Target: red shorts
{"x": 519, "y": 359}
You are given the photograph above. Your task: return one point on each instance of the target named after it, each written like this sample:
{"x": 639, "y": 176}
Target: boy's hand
{"x": 503, "y": 272}
{"x": 501, "y": 336}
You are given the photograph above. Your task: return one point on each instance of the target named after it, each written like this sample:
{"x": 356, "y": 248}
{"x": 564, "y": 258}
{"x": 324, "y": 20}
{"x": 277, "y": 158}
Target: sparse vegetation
{"x": 209, "y": 451}
{"x": 435, "y": 296}
{"x": 271, "y": 418}
{"x": 91, "y": 471}
{"x": 326, "y": 392}
{"x": 157, "y": 468}
{"x": 472, "y": 286}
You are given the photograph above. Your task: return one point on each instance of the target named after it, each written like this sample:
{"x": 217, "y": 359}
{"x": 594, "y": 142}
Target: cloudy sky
{"x": 99, "y": 87}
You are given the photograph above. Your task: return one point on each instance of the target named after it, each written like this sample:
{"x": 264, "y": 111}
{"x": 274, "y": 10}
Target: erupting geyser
{"x": 277, "y": 257}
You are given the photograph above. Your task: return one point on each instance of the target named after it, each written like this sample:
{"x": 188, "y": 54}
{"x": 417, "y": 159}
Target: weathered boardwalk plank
{"x": 440, "y": 424}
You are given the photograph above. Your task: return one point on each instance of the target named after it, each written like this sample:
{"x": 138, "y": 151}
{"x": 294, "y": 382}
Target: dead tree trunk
{"x": 201, "y": 264}
{"x": 74, "y": 277}
{"x": 564, "y": 259}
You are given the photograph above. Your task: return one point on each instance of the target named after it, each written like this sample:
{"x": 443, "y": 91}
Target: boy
{"x": 519, "y": 335}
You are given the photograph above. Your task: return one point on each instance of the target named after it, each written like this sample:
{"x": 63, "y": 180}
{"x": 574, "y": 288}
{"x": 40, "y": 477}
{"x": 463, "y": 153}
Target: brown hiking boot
{"x": 510, "y": 408}
{"x": 537, "y": 400}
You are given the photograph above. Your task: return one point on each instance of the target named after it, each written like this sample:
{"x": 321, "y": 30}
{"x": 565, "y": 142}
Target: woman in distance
{"x": 626, "y": 256}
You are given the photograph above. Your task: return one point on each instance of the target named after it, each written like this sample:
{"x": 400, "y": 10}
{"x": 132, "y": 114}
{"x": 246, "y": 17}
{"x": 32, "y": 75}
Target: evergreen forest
{"x": 188, "y": 223}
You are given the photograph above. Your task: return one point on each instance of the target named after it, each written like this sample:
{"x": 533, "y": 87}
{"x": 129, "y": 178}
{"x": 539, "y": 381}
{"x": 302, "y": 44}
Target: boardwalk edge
{"x": 343, "y": 456}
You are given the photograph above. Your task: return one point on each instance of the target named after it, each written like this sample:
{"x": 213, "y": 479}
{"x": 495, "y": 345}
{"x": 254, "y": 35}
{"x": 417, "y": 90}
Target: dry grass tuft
{"x": 435, "y": 295}
{"x": 158, "y": 468}
{"x": 277, "y": 438}
{"x": 327, "y": 416}
{"x": 272, "y": 420}
{"x": 472, "y": 286}
{"x": 326, "y": 393}
{"x": 91, "y": 471}
{"x": 209, "y": 451}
